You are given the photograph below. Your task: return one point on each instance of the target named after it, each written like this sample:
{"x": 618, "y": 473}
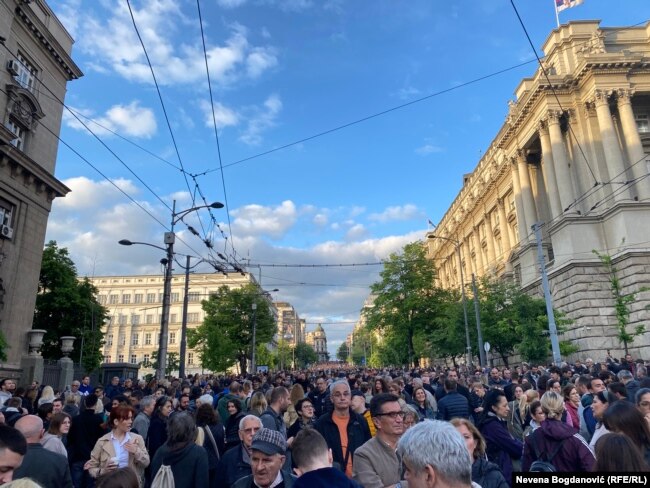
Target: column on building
{"x": 503, "y": 225}
{"x": 611, "y": 148}
{"x": 636, "y": 154}
{"x": 489, "y": 239}
{"x": 478, "y": 251}
{"x": 548, "y": 170}
{"x": 560, "y": 160}
{"x": 519, "y": 205}
{"x": 526, "y": 190}
{"x": 467, "y": 255}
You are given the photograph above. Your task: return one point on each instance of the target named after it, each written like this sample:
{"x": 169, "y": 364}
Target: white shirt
{"x": 121, "y": 454}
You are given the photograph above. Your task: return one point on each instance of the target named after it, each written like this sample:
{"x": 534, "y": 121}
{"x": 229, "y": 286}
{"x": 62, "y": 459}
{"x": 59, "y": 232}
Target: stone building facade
{"x": 573, "y": 156}
{"x": 134, "y": 303}
{"x": 35, "y": 66}
{"x": 290, "y": 325}
{"x": 318, "y": 340}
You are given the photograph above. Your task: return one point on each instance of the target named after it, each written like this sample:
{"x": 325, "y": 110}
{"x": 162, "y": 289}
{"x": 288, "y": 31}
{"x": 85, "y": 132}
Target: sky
{"x": 342, "y": 128}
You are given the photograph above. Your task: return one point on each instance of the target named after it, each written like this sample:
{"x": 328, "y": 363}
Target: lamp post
{"x": 456, "y": 244}
{"x": 169, "y": 240}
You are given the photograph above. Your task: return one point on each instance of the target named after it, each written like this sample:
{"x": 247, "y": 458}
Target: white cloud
{"x": 230, "y": 3}
{"x": 223, "y": 115}
{"x": 320, "y": 220}
{"x": 258, "y": 220}
{"x": 262, "y": 120}
{"x": 114, "y": 43}
{"x": 130, "y": 120}
{"x": 408, "y": 92}
{"x": 356, "y": 232}
{"x": 399, "y": 212}
{"x": 428, "y": 149}
{"x": 68, "y": 13}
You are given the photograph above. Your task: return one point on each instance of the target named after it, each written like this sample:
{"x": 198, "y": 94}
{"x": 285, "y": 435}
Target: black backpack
{"x": 543, "y": 463}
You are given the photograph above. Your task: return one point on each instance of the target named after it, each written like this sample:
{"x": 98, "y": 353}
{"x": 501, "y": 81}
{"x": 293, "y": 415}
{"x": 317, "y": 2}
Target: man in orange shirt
{"x": 343, "y": 430}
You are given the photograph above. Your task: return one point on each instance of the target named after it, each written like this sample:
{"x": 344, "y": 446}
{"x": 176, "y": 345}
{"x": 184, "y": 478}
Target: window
{"x": 122, "y": 319}
{"x": 192, "y": 317}
{"x": 26, "y": 76}
{"x": 138, "y": 298}
{"x": 120, "y": 358}
{"x": 172, "y": 337}
{"x": 145, "y": 359}
{"x": 642, "y": 123}
{"x": 134, "y": 339}
{"x": 101, "y": 299}
{"x": 147, "y": 339}
{"x": 109, "y": 340}
{"x": 151, "y": 297}
{"x": 193, "y": 297}
{"x": 149, "y": 319}
{"x": 18, "y": 130}
{"x": 107, "y": 359}
{"x": 175, "y": 297}
{"x": 135, "y": 319}
{"x": 190, "y": 358}
{"x": 122, "y": 340}
{"x": 161, "y": 296}
{"x": 173, "y": 318}
{"x": 126, "y": 299}
{"x": 112, "y": 299}
{"x": 134, "y": 359}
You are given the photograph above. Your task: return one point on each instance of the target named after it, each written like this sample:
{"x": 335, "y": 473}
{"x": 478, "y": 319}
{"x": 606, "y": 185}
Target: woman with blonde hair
{"x": 47, "y": 395}
{"x": 484, "y": 473}
{"x": 258, "y": 404}
{"x": 297, "y": 393}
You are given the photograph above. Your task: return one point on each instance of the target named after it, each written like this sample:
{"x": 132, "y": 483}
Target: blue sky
{"x": 283, "y": 71}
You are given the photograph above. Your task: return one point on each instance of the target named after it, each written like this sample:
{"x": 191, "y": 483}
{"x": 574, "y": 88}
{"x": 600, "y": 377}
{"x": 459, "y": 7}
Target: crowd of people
{"x": 347, "y": 427}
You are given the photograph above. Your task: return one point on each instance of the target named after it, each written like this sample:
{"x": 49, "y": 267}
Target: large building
{"x": 573, "y": 155}
{"x": 318, "y": 340}
{"x": 291, "y": 328}
{"x": 35, "y": 66}
{"x": 135, "y": 304}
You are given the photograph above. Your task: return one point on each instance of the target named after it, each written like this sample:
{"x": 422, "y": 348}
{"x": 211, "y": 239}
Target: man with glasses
{"x": 320, "y": 398}
{"x": 376, "y": 464}
{"x": 236, "y": 462}
{"x": 343, "y": 430}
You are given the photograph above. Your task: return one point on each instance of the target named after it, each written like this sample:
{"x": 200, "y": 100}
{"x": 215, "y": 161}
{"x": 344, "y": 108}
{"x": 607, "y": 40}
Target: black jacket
{"x": 157, "y": 434}
{"x": 232, "y": 467}
{"x": 488, "y": 475}
{"x": 453, "y": 405}
{"x": 358, "y": 434}
{"x": 45, "y": 467}
{"x": 325, "y": 478}
{"x": 232, "y": 430}
{"x": 189, "y": 465}
{"x": 288, "y": 481}
{"x": 85, "y": 430}
{"x": 321, "y": 401}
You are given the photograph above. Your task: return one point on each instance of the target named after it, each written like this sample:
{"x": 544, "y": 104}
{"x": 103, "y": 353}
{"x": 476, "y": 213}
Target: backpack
{"x": 164, "y": 478}
{"x": 543, "y": 463}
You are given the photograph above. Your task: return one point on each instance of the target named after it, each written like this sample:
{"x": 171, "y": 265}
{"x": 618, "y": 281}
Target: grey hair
{"x": 624, "y": 374}
{"x": 337, "y": 383}
{"x": 437, "y": 444}
{"x": 181, "y": 429}
{"x": 410, "y": 410}
{"x": 552, "y": 404}
{"x": 249, "y": 417}
{"x": 205, "y": 398}
{"x": 639, "y": 394}
{"x": 146, "y": 402}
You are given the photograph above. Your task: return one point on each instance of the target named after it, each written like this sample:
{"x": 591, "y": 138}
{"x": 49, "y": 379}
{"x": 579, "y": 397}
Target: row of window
{"x": 149, "y": 319}
{"x": 125, "y": 299}
{"x": 146, "y": 358}
{"x": 150, "y": 338}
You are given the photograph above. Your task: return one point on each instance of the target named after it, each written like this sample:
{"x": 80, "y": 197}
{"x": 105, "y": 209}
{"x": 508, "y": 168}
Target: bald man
{"x": 45, "y": 467}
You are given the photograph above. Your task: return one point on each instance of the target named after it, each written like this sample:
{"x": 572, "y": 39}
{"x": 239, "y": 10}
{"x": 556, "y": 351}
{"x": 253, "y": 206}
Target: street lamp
{"x": 253, "y": 352}
{"x": 169, "y": 239}
{"x": 456, "y": 243}
{"x": 289, "y": 337}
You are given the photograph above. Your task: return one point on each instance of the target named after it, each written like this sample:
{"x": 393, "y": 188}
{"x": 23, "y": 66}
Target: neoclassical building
{"x": 35, "y": 67}
{"x": 573, "y": 156}
{"x": 318, "y": 340}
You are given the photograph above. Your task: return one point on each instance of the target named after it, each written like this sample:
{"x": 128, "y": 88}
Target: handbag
{"x": 212, "y": 441}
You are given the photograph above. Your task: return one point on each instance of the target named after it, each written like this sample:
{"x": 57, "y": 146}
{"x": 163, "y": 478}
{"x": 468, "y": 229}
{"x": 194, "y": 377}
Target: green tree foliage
{"x": 342, "y": 352}
{"x": 66, "y": 306}
{"x": 225, "y": 336}
{"x": 364, "y": 344}
{"x": 173, "y": 362}
{"x": 407, "y": 304}
{"x": 513, "y": 321}
{"x": 622, "y": 303}
{"x": 4, "y": 345}
{"x": 305, "y": 355}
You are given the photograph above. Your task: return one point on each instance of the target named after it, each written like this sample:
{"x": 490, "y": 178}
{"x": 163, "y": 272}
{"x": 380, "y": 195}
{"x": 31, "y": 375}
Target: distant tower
{"x": 318, "y": 340}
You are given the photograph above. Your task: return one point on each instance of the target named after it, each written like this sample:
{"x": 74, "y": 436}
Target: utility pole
{"x": 181, "y": 367}
{"x": 253, "y": 365}
{"x": 481, "y": 351}
{"x": 552, "y": 328}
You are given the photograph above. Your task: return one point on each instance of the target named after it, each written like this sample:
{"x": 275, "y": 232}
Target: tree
{"x": 622, "y": 303}
{"x": 173, "y": 362}
{"x": 407, "y": 303}
{"x": 343, "y": 352}
{"x": 225, "y": 336}
{"x": 305, "y": 355}
{"x": 66, "y": 306}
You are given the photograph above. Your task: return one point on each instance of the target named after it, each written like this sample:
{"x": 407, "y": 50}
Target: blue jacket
{"x": 501, "y": 446}
{"x": 453, "y": 405}
{"x": 325, "y": 478}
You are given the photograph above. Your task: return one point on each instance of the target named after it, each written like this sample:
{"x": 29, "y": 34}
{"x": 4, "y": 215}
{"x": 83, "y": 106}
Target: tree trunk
{"x": 242, "y": 364}
{"x": 505, "y": 359}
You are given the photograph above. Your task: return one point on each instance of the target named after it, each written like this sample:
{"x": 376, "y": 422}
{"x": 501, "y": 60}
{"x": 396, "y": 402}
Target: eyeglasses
{"x": 343, "y": 394}
{"x": 392, "y": 415}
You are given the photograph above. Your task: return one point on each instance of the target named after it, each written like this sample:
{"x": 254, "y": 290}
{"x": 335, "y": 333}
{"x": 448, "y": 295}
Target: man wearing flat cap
{"x": 267, "y": 457}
